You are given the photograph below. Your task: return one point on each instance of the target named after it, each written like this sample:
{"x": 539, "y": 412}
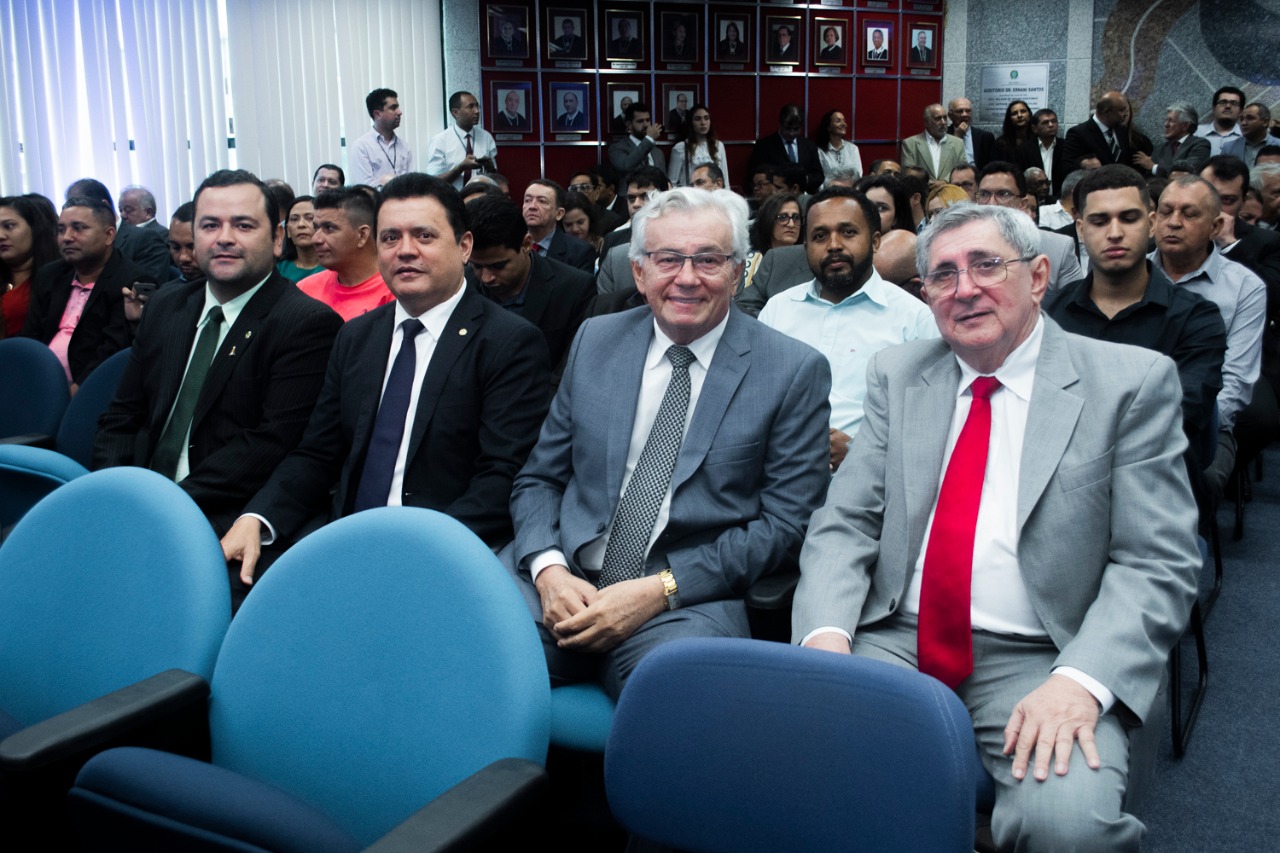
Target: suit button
{"x": 893, "y": 604}
{"x": 600, "y": 527}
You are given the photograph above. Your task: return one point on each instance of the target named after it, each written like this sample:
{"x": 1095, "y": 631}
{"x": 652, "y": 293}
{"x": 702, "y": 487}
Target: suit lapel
{"x": 179, "y": 336}
{"x": 1051, "y": 419}
{"x": 627, "y": 369}
{"x": 240, "y": 337}
{"x": 730, "y": 363}
{"x": 463, "y": 328}
{"x": 928, "y": 408}
{"x": 538, "y": 292}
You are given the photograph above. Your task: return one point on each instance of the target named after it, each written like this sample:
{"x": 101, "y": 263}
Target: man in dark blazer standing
{"x": 221, "y": 432}
{"x": 789, "y": 145}
{"x": 83, "y": 291}
{"x": 433, "y": 400}
{"x": 1044, "y": 140}
{"x": 1103, "y": 135}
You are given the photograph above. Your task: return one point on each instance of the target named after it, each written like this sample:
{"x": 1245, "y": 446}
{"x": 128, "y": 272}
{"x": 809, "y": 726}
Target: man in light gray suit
{"x": 1003, "y": 184}
{"x": 935, "y": 150}
{"x": 1047, "y": 573}
{"x": 684, "y": 453}
{"x": 1180, "y": 144}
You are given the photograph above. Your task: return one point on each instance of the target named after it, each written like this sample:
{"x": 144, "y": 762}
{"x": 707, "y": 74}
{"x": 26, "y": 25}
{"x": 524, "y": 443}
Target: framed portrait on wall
{"x": 783, "y": 40}
{"x": 679, "y": 38}
{"x": 877, "y": 43}
{"x": 732, "y": 37}
{"x": 677, "y": 104}
{"x": 923, "y": 50}
{"x": 624, "y": 34}
{"x": 512, "y": 106}
{"x": 619, "y": 96}
{"x": 569, "y": 107}
{"x": 829, "y": 36}
{"x": 508, "y": 32}
{"x": 566, "y": 33}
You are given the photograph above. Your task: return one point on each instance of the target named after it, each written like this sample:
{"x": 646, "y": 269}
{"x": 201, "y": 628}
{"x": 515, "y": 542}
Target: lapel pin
{"x": 233, "y": 351}
{"x": 248, "y": 335}
{"x": 462, "y": 332}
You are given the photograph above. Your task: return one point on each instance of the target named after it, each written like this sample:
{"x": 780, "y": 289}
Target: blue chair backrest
{"x": 33, "y": 388}
{"x": 743, "y": 745}
{"x": 381, "y": 660}
{"x": 80, "y": 421}
{"x": 111, "y": 579}
{"x": 27, "y": 475}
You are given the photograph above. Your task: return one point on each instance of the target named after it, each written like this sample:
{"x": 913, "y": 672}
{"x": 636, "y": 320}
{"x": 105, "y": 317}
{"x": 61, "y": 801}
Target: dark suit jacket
{"x": 519, "y": 47}
{"x": 1029, "y": 155}
{"x": 630, "y": 49}
{"x": 771, "y": 151}
{"x": 1085, "y": 139}
{"x": 984, "y": 145}
{"x": 577, "y": 122}
{"x": 256, "y": 398}
{"x": 483, "y": 397}
{"x": 158, "y": 228}
{"x": 1195, "y": 150}
{"x": 568, "y": 249}
{"x": 555, "y": 300}
{"x": 147, "y": 249}
{"x": 102, "y": 330}
{"x": 520, "y": 121}
{"x": 574, "y": 48}
{"x": 1259, "y": 250}
{"x": 675, "y": 124}
{"x": 923, "y": 56}
{"x": 725, "y": 51}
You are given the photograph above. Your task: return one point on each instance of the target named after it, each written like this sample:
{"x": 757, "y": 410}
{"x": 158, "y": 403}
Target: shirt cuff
{"x": 269, "y": 532}
{"x": 828, "y": 629}
{"x": 549, "y": 557}
{"x": 1104, "y": 696}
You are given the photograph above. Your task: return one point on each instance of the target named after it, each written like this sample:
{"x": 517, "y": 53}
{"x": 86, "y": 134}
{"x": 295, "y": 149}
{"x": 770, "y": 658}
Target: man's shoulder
{"x": 173, "y": 296}
{"x": 559, "y": 275}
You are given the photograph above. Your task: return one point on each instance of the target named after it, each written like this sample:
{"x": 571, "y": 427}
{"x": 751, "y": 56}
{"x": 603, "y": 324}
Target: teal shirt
{"x": 295, "y": 273}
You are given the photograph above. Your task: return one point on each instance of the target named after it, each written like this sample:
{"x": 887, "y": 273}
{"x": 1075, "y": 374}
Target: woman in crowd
{"x": 582, "y": 220}
{"x": 698, "y": 146}
{"x": 833, "y": 151}
{"x": 299, "y": 250}
{"x": 779, "y": 223}
{"x": 890, "y": 198}
{"x": 943, "y": 196}
{"x": 1017, "y": 130}
{"x": 28, "y": 241}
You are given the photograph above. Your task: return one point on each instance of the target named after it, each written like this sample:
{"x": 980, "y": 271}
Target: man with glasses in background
{"x": 1014, "y": 496}
{"x": 684, "y": 452}
{"x": 1224, "y": 127}
{"x": 1003, "y": 184}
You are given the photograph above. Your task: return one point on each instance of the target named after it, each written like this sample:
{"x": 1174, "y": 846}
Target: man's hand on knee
{"x": 563, "y": 594}
{"x": 617, "y": 612}
{"x": 243, "y": 542}
{"x": 1049, "y": 720}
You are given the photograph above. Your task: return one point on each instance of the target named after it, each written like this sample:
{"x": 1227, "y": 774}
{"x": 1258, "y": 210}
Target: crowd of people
{"x": 645, "y": 390}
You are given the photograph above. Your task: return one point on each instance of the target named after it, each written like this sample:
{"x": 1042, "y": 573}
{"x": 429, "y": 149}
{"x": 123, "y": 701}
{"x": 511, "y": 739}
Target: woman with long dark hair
{"x": 834, "y": 151}
{"x": 28, "y": 241}
{"x": 698, "y": 146}
{"x": 890, "y": 197}
{"x": 1015, "y": 131}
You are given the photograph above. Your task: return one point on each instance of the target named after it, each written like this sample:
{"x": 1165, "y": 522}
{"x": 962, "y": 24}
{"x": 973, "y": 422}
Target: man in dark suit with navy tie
{"x": 224, "y": 369}
{"x": 433, "y": 400}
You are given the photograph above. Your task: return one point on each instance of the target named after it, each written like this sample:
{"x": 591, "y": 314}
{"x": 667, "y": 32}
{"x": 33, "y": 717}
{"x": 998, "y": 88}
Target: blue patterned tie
{"x": 388, "y": 429}
{"x": 638, "y": 510}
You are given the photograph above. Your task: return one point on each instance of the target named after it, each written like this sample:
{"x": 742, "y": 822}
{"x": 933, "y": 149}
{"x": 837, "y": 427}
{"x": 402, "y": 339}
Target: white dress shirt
{"x": 935, "y": 151}
{"x": 449, "y": 148}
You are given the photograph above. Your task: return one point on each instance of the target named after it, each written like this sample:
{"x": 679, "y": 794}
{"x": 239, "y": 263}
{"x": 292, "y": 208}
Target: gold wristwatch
{"x": 669, "y": 589}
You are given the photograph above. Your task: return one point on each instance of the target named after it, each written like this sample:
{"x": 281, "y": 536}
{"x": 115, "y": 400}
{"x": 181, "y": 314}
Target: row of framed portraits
{"x": 569, "y": 106}
{"x": 783, "y": 39}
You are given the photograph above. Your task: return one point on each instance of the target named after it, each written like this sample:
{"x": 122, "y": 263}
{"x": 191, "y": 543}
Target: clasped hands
{"x": 585, "y": 619}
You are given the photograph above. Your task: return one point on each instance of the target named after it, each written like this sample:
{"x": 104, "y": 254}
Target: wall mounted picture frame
{"x": 677, "y": 105}
{"x": 877, "y": 42}
{"x": 624, "y": 31}
{"x": 679, "y": 41}
{"x": 510, "y": 106}
{"x": 784, "y": 40}
{"x": 732, "y": 38}
{"x": 566, "y": 34}
{"x": 922, "y": 50}
{"x": 508, "y": 32}
{"x": 830, "y": 40}
{"x": 569, "y": 107}
{"x": 619, "y": 96}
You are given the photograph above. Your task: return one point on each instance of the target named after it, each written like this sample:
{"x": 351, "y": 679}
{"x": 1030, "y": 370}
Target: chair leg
{"x": 1182, "y": 728}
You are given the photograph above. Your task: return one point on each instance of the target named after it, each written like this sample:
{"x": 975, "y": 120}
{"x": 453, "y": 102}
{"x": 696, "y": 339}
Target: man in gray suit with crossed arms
{"x": 685, "y": 450}
{"x": 1014, "y": 519}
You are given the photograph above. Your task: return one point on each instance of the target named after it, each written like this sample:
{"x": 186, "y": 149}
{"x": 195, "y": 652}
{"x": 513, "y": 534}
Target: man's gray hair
{"x": 1184, "y": 113}
{"x": 726, "y": 203}
{"x": 1030, "y": 170}
{"x": 1215, "y": 200}
{"x": 145, "y": 198}
{"x": 1261, "y": 173}
{"x": 843, "y": 172}
{"x": 1017, "y": 229}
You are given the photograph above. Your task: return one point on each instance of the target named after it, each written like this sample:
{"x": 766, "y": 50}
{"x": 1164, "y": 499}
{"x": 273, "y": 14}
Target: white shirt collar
{"x": 703, "y": 348}
{"x": 434, "y": 319}
{"x": 232, "y": 307}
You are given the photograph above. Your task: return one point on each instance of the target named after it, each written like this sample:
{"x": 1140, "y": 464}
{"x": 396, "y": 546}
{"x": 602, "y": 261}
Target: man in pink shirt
{"x": 350, "y": 283}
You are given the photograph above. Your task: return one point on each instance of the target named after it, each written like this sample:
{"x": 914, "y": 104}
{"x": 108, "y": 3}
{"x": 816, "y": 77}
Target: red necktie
{"x": 945, "y": 635}
{"x": 466, "y": 174}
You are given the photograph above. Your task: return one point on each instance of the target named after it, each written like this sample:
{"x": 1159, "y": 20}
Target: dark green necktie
{"x": 165, "y": 459}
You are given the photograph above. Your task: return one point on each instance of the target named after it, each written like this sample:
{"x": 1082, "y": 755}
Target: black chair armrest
{"x": 472, "y": 814}
{"x": 31, "y": 439}
{"x": 108, "y": 721}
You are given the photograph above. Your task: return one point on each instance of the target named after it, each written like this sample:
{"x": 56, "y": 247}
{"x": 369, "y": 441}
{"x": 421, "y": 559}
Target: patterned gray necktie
{"x": 1114, "y": 144}
{"x": 638, "y": 510}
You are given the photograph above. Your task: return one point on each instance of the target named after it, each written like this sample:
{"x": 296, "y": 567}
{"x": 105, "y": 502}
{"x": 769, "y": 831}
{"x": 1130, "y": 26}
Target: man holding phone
{"x": 460, "y": 152}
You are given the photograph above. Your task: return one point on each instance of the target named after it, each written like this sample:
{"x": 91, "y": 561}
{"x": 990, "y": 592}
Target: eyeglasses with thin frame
{"x": 1002, "y": 196}
{"x": 1226, "y": 102}
{"x": 988, "y": 272}
{"x": 784, "y": 218}
{"x": 667, "y": 262}
{"x": 582, "y": 188}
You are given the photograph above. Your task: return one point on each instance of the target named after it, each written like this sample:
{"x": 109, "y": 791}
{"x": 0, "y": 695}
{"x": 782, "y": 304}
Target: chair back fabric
{"x": 28, "y": 475}
{"x": 80, "y": 421}
{"x": 381, "y": 660}
{"x": 743, "y": 745}
{"x": 33, "y": 388}
{"x": 113, "y": 578}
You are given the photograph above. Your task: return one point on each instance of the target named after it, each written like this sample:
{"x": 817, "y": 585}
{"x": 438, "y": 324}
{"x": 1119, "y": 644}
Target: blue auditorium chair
{"x": 80, "y": 421}
{"x": 114, "y": 579}
{"x": 33, "y": 389}
{"x": 27, "y": 476}
{"x": 385, "y": 662}
{"x": 744, "y": 745}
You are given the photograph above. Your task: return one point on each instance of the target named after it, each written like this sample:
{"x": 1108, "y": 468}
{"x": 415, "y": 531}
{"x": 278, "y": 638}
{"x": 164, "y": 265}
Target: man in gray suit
{"x": 640, "y": 146}
{"x": 684, "y": 452}
{"x": 1047, "y": 573}
{"x": 1180, "y": 143}
{"x": 1002, "y": 184}
{"x": 934, "y": 150}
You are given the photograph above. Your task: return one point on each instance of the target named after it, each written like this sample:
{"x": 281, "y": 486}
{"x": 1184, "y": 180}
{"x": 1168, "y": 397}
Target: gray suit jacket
{"x": 751, "y": 470}
{"x": 1106, "y": 520}
{"x": 1195, "y": 150}
{"x": 626, "y": 157}
{"x": 1064, "y": 266}
{"x": 779, "y": 269}
{"x": 915, "y": 152}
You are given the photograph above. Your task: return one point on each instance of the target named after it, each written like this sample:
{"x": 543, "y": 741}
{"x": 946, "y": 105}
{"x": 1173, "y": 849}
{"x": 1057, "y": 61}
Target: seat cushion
{"x": 581, "y": 715}
{"x": 173, "y": 802}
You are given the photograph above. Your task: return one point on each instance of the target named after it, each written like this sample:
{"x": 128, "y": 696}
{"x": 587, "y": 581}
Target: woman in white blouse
{"x": 699, "y": 146}
{"x": 833, "y": 151}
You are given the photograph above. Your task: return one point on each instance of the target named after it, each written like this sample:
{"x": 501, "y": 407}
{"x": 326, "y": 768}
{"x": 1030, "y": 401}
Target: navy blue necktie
{"x": 388, "y": 429}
